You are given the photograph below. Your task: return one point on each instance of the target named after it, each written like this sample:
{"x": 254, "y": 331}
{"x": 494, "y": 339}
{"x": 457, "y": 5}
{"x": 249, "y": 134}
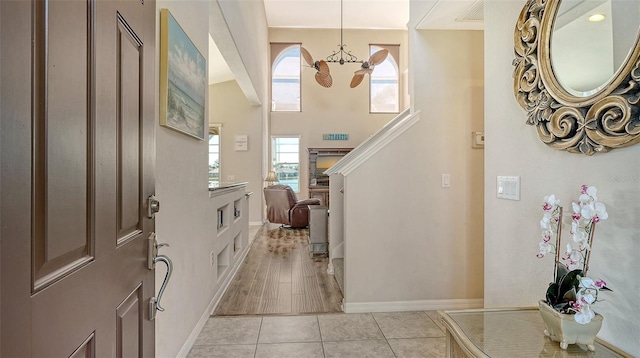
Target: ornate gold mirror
{"x": 579, "y": 79}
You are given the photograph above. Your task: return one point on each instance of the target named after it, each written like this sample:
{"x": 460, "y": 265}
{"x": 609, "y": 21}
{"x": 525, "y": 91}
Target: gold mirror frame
{"x": 598, "y": 122}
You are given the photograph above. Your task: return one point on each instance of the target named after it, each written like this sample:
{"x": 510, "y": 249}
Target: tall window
{"x": 285, "y": 157}
{"x": 285, "y": 77}
{"x": 384, "y": 88}
{"x": 214, "y": 156}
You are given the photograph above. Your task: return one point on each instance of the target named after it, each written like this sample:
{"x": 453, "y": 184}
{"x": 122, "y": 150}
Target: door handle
{"x": 153, "y": 258}
{"x": 154, "y": 303}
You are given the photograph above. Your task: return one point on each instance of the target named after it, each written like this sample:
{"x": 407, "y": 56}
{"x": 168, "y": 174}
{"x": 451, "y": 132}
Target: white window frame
{"x": 218, "y": 128}
{"x": 394, "y": 54}
{"x": 273, "y": 160}
{"x": 277, "y": 52}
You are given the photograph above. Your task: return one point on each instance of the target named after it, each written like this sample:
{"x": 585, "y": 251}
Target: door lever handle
{"x": 154, "y": 303}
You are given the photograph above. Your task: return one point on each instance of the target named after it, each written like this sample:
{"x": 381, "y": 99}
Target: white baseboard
{"x": 255, "y": 223}
{"x": 404, "y": 306}
{"x": 188, "y": 344}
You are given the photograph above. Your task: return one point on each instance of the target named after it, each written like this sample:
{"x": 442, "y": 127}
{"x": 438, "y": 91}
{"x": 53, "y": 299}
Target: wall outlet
{"x": 212, "y": 257}
{"x": 231, "y": 177}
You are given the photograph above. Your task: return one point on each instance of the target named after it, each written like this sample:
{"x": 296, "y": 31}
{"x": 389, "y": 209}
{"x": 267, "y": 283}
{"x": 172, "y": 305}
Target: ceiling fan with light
{"x": 323, "y": 75}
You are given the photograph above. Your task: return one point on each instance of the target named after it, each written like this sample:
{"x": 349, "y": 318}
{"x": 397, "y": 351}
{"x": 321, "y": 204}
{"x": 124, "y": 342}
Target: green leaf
{"x": 567, "y": 283}
{"x": 561, "y": 271}
{"x": 552, "y": 293}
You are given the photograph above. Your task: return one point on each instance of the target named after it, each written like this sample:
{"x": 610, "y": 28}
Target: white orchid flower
{"x": 590, "y": 191}
{"x": 573, "y": 256}
{"x": 581, "y": 238}
{"x": 595, "y": 212}
{"x": 578, "y": 234}
{"x": 545, "y": 248}
{"x": 550, "y": 203}
{"x": 585, "y": 315}
{"x": 586, "y": 282}
{"x": 577, "y": 209}
{"x": 545, "y": 223}
{"x": 587, "y": 298}
{"x": 600, "y": 283}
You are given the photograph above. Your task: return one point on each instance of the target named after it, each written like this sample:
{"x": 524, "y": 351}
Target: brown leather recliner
{"x": 283, "y": 207}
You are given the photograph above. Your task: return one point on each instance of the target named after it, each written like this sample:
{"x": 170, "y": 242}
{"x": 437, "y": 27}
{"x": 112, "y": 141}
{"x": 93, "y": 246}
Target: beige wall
{"x": 187, "y": 218}
{"x": 408, "y": 240}
{"x": 181, "y": 187}
{"x": 338, "y": 109}
{"x": 248, "y": 41}
{"x": 513, "y": 274}
{"x": 229, "y": 107}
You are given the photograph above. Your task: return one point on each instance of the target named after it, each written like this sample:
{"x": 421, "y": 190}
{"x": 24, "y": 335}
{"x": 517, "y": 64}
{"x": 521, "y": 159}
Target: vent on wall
{"x": 475, "y": 13}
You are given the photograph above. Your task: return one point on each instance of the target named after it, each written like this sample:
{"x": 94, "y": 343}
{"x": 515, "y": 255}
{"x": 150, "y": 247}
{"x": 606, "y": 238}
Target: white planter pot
{"x": 564, "y": 329}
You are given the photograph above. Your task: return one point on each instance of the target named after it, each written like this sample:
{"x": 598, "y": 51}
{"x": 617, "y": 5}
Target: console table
{"x": 508, "y": 333}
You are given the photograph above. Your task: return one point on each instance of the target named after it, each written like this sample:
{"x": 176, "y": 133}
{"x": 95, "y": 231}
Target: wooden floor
{"x": 278, "y": 276}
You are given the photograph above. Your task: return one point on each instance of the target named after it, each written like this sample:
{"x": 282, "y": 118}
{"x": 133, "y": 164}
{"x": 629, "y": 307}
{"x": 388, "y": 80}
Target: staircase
{"x": 346, "y": 169}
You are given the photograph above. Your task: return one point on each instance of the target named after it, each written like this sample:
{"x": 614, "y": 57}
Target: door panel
{"x": 61, "y": 243}
{"x": 87, "y": 349}
{"x": 130, "y": 318}
{"x": 129, "y": 66}
{"x": 65, "y": 124}
{"x": 78, "y": 108}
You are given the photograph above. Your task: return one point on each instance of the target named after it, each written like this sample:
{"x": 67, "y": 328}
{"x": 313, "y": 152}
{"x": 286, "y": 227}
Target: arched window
{"x": 384, "y": 86}
{"x": 285, "y": 77}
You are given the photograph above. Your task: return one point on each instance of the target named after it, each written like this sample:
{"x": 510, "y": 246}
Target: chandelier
{"x": 342, "y": 56}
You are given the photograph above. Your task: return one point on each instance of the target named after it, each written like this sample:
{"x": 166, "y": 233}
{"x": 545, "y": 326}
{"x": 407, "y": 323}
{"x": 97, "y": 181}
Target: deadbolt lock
{"x": 153, "y": 206}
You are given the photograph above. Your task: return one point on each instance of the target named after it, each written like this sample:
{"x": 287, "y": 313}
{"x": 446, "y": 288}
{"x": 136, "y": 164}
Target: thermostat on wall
{"x": 241, "y": 143}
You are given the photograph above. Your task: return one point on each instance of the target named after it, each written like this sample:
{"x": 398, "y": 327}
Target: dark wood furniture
{"x": 320, "y": 159}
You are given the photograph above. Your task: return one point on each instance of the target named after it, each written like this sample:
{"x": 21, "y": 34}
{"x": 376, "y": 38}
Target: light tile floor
{"x": 361, "y": 335}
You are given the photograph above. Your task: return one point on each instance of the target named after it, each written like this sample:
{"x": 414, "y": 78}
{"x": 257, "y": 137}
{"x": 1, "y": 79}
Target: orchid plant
{"x": 572, "y": 292}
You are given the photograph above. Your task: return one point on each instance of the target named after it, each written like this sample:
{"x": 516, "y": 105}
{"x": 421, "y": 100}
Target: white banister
{"x": 373, "y": 144}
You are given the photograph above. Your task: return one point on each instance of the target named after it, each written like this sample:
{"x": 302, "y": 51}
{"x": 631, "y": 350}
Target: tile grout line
{"x": 386, "y": 340}
{"x": 255, "y": 351}
{"x": 324, "y": 354}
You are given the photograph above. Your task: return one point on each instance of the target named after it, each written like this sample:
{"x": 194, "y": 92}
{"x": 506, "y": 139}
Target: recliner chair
{"x": 283, "y": 207}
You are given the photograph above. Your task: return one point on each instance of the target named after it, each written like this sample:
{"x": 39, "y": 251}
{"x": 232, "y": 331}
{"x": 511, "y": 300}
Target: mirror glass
{"x": 590, "y": 42}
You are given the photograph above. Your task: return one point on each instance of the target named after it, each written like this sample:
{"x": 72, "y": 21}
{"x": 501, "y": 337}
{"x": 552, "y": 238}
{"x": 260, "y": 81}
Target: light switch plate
{"x": 508, "y": 187}
{"x": 446, "y": 180}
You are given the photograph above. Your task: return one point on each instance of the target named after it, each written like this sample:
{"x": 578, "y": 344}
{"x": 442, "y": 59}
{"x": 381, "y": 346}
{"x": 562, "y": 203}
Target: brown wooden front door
{"x": 77, "y": 104}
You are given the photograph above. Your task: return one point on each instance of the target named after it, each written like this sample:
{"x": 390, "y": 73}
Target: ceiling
{"x": 360, "y": 14}
{"x": 321, "y": 14}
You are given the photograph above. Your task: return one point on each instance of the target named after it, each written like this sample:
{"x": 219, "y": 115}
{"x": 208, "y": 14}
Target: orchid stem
{"x": 585, "y": 268}
{"x": 558, "y": 234}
